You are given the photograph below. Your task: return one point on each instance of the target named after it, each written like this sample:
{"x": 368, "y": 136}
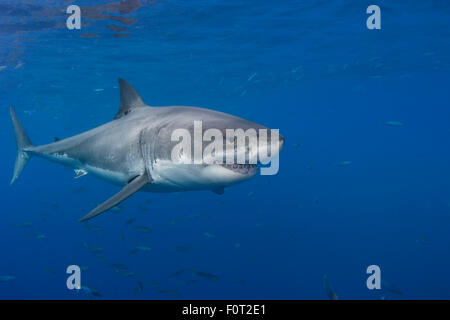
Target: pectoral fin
{"x": 132, "y": 187}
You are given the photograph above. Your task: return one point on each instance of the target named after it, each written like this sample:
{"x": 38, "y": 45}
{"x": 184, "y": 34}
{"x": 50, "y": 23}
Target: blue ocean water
{"x": 364, "y": 173}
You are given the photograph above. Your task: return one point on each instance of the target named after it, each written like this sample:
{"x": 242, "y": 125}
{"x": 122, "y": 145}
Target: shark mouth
{"x": 241, "y": 168}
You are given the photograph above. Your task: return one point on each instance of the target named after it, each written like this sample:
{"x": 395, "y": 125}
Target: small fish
{"x": 78, "y": 190}
{"x": 174, "y": 292}
{"x": 143, "y": 248}
{"x": 96, "y": 249}
{"x": 393, "y": 123}
{"x": 50, "y": 270}
{"x": 140, "y": 287}
{"x": 153, "y": 284}
{"x": 128, "y": 274}
{"x": 251, "y": 77}
{"x": 193, "y": 216}
{"x": 177, "y": 273}
{"x": 91, "y": 291}
{"x": 205, "y": 275}
{"x": 116, "y": 208}
{"x": 18, "y": 65}
{"x": 95, "y": 292}
{"x": 122, "y": 35}
{"x": 344, "y": 163}
{"x": 209, "y": 235}
{"x": 173, "y": 221}
{"x": 92, "y": 227}
{"x": 329, "y": 289}
{"x": 43, "y": 217}
{"x": 36, "y": 235}
{"x": 142, "y": 208}
{"x": 99, "y": 90}
{"x": 422, "y": 240}
{"x": 118, "y": 29}
{"x": 142, "y": 229}
{"x": 84, "y": 245}
{"x": 130, "y": 221}
{"x": 140, "y": 248}
{"x": 101, "y": 258}
{"x": 24, "y": 225}
{"x": 89, "y": 35}
{"x": 390, "y": 287}
{"x": 294, "y": 70}
{"x": 6, "y": 278}
{"x": 182, "y": 249}
{"x": 119, "y": 266}
{"x": 96, "y": 228}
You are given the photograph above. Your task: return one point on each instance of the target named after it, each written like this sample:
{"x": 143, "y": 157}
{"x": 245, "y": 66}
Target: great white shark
{"x": 135, "y": 150}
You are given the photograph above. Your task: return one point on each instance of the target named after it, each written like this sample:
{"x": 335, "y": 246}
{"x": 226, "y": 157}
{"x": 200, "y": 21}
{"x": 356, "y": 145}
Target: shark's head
{"x": 199, "y": 148}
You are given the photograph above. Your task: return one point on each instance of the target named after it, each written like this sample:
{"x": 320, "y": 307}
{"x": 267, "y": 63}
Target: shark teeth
{"x": 241, "y": 168}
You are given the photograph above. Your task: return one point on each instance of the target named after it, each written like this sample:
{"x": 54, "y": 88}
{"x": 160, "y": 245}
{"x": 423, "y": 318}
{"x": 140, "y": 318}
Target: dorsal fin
{"x": 129, "y": 99}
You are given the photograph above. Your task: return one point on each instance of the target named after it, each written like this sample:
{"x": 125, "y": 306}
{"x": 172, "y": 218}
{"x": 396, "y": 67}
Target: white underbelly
{"x": 170, "y": 177}
{"x": 114, "y": 177}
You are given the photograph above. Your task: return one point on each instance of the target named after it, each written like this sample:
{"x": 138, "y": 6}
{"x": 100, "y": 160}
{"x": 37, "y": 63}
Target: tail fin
{"x": 22, "y": 142}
